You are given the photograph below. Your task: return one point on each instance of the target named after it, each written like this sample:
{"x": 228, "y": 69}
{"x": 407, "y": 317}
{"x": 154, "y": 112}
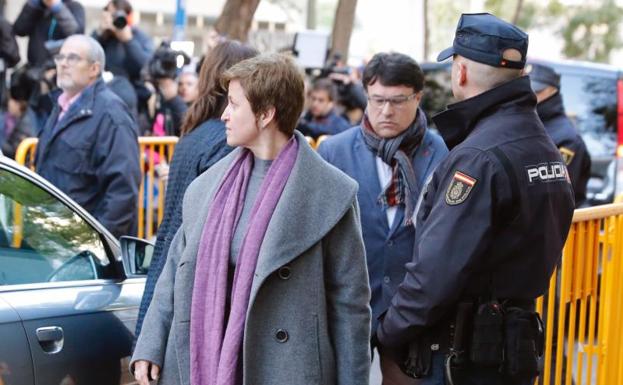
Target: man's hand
{"x": 124, "y": 35}
{"x": 50, "y": 3}
{"x": 144, "y": 371}
{"x": 168, "y": 88}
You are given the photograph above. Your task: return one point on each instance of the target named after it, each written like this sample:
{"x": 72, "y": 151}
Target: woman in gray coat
{"x": 265, "y": 281}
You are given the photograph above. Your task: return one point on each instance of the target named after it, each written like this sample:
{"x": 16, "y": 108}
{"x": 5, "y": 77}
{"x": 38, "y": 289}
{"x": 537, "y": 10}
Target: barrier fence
{"x": 583, "y": 309}
{"x": 155, "y": 151}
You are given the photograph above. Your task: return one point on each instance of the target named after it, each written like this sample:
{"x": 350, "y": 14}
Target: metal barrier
{"x": 154, "y": 150}
{"x": 583, "y": 308}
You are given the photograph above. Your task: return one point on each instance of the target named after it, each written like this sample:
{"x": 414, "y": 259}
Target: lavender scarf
{"x": 214, "y": 345}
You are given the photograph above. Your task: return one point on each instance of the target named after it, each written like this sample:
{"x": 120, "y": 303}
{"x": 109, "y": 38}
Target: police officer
{"x": 492, "y": 220}
{"x": 546, "y": 85}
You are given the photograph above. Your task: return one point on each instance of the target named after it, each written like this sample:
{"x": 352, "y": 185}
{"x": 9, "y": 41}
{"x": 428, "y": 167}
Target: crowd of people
{"x": 277, "y": 264}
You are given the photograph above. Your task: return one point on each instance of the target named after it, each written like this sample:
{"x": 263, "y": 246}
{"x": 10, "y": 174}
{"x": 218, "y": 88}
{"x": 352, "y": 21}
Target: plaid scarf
{"x": 398, "y": 152}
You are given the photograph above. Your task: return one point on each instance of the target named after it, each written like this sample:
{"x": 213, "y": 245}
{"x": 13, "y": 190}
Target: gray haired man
{"x": 88, "y": 147}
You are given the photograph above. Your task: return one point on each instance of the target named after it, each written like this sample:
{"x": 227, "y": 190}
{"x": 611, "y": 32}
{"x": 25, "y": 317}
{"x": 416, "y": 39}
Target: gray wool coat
{"x": 308, "y": 320}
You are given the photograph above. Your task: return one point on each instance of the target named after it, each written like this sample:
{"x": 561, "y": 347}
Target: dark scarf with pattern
{"x": 398, "y": 153}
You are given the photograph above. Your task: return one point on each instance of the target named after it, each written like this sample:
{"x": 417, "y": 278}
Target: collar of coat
{"x": 460, "y": 119}
{"x": 314, "y": 199}
{"x": 551, "y": 107}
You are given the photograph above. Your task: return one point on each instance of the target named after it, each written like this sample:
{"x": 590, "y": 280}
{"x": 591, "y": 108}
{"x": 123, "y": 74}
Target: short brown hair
{"x": 271, "y": 80}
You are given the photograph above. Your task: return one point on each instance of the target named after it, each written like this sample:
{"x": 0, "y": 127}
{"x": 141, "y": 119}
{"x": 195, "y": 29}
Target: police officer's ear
{"x": 460, "y": 66}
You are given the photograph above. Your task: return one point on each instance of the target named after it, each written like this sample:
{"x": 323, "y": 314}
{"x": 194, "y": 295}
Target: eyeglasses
{"x": 395, "y": 101}
{"x": 72, "y": 58}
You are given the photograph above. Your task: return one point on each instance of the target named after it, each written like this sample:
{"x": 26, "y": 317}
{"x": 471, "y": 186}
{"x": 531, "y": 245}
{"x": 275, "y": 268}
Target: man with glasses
{"x": 390, "y": 155}
{"x": 88, "y": 147}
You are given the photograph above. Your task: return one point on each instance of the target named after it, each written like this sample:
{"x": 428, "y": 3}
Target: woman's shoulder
{"x": 326, "y": 178}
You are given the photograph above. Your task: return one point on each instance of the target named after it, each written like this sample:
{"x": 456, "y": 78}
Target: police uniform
{"x": 562, "y": 131}
{"x": 495, "y": 215}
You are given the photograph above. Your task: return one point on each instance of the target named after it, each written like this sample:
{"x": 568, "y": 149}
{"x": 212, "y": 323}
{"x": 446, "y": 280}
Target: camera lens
{"x": 120, "y": 19}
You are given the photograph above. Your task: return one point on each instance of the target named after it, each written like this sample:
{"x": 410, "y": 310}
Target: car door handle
{"x": 50, "y": 338}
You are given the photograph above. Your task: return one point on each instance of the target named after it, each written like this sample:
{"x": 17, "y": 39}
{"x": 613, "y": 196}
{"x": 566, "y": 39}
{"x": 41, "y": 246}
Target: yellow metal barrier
{"x": 583, "y": 308}
{"x": 25, "y": 153}
{"x": 154, "y": 150}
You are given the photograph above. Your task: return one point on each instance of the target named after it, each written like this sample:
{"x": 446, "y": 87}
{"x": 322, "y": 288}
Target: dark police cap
{"x": 542, "y": 76}
{"x": 483, "y": 38}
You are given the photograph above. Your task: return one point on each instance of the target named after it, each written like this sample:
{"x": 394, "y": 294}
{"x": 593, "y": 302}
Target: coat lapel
{"x": 368, "y": 172}
{"x": 310, "y": 206}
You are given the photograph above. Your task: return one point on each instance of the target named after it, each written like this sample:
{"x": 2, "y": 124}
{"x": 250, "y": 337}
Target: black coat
{"x": 194, "y": 153}
{"x": 126, "y": 59}
{"x": 92, "y": 155}
{"x": 569, "y": 143}
{"x": 42, "y": 24}
{"x": 9, "y": 50}
{"x": 494, "y": 217}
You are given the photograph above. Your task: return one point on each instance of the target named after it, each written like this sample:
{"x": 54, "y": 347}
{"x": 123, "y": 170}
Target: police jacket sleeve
{"x": 70, "y": 18}
{"x": 578, "y": 161}
{"x": 453, "y": 229}
{"x": 118, "y": 171}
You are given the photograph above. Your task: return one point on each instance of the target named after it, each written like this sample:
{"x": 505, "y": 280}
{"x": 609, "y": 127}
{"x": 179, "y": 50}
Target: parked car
{"x": 593, "y": 98}
{"x": 68, "y": 299}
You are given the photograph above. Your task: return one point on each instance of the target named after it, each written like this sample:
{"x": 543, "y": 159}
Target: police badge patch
{"x": 567, "y": 155}
{"x": 459, "y": 188}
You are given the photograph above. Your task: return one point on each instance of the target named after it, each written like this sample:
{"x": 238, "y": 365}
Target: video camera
{"x": 166, "y": 62}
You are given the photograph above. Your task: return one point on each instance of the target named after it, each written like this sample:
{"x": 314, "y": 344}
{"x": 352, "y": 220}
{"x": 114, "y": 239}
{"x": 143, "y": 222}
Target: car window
{"x": 43, "y": 240}
{"x": 591, "y": 101}
{"x": 437, "y": 92}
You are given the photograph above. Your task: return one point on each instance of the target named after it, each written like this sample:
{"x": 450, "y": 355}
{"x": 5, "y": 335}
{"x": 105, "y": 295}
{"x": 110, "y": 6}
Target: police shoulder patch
{"x": 459, "y": 188}
{"x": 567, "y": 155}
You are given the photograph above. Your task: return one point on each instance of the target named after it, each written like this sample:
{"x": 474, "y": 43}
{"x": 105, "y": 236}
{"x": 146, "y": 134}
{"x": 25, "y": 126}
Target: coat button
{"x": 285, "y": 272}
{"x": 386, "y": 279}
{"x": 281, "y": 336}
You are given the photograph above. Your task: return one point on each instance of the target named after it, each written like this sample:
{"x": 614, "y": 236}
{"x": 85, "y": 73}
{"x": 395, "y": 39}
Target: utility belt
{"x": 506, "y": 335}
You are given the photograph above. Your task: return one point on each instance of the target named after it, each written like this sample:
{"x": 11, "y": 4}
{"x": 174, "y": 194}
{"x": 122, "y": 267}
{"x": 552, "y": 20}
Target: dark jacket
{"x": 494, "y": 217}
{"x": 569, "y": 143}
{"x": 42, "y": 24}
{"x": 194, "y": 153}
{"x": 9, "y": 50}
{"x": 173, "y": 111}
{"x": 126, "y": 59}
{"x": 92, "y": 155}
{"x": 388, "y": 245}
{"x": 331, "y": 124}
{"x": 24, "y": 127}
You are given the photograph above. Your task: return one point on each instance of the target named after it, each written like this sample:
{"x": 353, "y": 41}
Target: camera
{"x": 120, "y": 19}
{"x": 164, "y": 63}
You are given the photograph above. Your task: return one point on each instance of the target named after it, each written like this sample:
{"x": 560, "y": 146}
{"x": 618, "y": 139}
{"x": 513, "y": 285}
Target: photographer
{"x": 351, "y": 97}
{"x": 320, "y": 118}
{"x": 127, "y": 48}
{"x": 48, "y": 21}
{"x": 169, "y": 106}
{"x": 17, "y": 120}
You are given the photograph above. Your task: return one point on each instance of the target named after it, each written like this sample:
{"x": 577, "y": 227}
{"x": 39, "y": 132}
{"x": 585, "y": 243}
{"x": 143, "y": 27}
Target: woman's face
{"x": 239, "y": 119}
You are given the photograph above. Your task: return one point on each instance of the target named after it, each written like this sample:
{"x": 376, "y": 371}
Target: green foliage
{"x": 592, "y": 32}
